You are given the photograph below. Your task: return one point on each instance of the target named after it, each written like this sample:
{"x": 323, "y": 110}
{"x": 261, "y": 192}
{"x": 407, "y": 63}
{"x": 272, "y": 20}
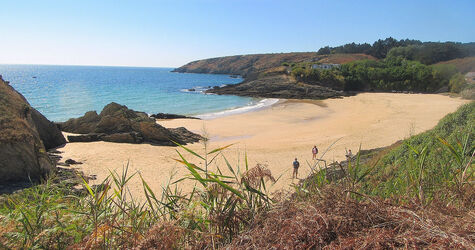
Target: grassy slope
{"x": 438, "y": 163}
{"x": 463, "y": 65}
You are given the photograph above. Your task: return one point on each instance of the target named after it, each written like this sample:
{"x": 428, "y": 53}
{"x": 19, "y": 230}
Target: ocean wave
{"x": 252, "y": 107}
{"x": 197, "y": 89}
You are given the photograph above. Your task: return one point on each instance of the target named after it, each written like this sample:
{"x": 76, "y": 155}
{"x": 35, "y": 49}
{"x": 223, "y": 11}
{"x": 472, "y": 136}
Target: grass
{"x": 417, "y": 193}
{"x": 463, "y": 65}
{"x": 427, "y": 165}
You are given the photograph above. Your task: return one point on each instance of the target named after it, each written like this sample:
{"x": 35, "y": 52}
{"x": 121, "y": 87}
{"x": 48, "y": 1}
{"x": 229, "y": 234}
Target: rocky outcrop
{"x": 277, "y": 86}
{"x": 25, "y": 135}
{"x": 171, "y": 116}
{"x": 117, "y": 123}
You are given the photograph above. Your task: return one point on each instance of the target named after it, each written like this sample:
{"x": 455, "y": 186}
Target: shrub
{"x": 457, "y": 83}
{"x": 469, "y": 92}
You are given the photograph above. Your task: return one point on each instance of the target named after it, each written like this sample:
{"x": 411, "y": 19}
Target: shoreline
{"x": 261, "y": 104}
{"x": 274, "y": 136}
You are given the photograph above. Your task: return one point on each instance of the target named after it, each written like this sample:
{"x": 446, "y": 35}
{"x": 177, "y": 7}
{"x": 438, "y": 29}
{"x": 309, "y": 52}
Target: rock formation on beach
{"x": 117, "y": 123}
{"x": 25, "y": 136}
{"x": 277, "y": 85}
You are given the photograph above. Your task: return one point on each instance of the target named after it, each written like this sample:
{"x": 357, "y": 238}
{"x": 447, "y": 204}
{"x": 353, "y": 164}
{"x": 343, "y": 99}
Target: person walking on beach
{"x": 296, "y": 168}
{"x": 314, "y": 152}
{"x": 349, "y": 154}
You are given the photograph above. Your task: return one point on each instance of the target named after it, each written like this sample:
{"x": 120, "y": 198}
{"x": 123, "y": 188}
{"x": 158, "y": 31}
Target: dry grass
{"x": 254, "y": 176}
{"x": 335, "y": 222}
{"x": 463, "y": 65}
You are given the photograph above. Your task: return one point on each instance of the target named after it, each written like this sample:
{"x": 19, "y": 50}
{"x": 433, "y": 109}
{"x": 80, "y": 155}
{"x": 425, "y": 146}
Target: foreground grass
{"x": 416, "y": 194}
{"x": 107, "y": 216}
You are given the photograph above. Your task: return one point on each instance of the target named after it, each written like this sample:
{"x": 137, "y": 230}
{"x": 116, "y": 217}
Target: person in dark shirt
{"x": 296, "y": 168}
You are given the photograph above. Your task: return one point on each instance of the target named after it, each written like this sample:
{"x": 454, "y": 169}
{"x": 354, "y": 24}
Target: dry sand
{"x": 276, "y": 135}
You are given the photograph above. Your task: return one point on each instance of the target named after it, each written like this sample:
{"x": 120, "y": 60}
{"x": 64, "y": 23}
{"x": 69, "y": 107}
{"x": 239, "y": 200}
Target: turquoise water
{"x": 63, "y": 92}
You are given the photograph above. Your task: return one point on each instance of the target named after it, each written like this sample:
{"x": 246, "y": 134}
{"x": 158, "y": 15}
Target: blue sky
{"x": 172, "y": 33}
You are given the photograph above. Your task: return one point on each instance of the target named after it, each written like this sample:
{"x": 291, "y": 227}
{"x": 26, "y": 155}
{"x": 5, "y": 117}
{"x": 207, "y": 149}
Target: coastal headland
{"x": 274, "y": 136}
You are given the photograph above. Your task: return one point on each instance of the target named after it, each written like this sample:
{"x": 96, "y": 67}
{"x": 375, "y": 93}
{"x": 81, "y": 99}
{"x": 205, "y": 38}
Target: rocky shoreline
{"x": 117, "y": 123}
{"x": 277, "y": 86}
{"x": 271, "y": 82}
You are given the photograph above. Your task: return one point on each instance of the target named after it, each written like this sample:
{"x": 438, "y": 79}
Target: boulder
{"x": 117, "y": 123}
{"x": 48, "y": 131}
{"x": 72, "y": 162}
{"x": 25, "y": 135}
{"x": 81, "y": 125}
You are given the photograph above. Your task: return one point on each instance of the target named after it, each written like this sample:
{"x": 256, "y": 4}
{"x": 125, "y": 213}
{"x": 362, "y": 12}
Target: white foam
{"x": 197, "y": 89}
{"x": 252, "y": 107}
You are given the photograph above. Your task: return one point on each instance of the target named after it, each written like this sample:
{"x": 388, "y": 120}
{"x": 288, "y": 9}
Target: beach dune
{"x": 275, "y": 136}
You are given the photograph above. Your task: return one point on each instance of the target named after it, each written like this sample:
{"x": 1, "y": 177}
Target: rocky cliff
{"x": 117, "y": 123}
{"x": 25, "y": 135}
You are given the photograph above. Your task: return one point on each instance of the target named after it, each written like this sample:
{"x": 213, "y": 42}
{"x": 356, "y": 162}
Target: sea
{"x": 63, "y": 92}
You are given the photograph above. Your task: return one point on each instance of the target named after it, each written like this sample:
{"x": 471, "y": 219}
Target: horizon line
{"x": 86, "y": 65}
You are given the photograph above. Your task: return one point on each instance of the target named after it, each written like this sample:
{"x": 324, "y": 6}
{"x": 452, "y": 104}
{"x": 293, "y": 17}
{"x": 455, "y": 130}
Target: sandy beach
{"x": 275, "y": 136}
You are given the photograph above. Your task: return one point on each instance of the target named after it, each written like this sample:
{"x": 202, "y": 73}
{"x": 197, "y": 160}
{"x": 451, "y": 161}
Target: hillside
{"x": 25, "y": 135}
{"x": 463, "y": 65}
{"x": 246, "y": 64}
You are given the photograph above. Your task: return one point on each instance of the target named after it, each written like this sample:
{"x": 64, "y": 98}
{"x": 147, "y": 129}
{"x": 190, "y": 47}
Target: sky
{"x": 172, "y": 33}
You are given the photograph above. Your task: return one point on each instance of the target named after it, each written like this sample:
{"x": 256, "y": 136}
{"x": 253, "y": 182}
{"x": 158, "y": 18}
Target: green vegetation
{"x": 437, "y": 164}
{"x": 425, "y": 52}
{"x": 404, "y": 67}
{"x": 457, "y": 83}
{"x": 431, "y": 52}
{"x": 326, "y": 77}
{"x": 379, "y": 49}
{"x": 393, "y": 73}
